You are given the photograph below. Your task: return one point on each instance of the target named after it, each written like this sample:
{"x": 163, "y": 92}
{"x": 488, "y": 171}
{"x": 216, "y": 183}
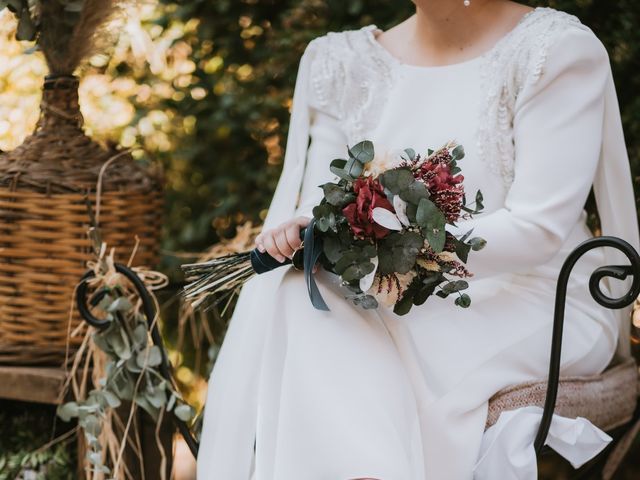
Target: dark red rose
{"x": 359, "y": 214}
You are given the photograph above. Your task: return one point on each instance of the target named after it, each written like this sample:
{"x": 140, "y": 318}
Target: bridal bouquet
{"x": 380, "y": 227}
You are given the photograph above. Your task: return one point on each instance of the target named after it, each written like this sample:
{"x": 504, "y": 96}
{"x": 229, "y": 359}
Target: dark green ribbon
{"x": 312, "y": 252}
{"x": 263, "y": 262}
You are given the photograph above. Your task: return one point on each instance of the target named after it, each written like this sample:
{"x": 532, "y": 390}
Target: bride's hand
{"x": 282, "y": 241}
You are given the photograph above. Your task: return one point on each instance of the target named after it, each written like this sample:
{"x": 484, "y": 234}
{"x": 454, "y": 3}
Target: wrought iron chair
{"x": 609, "y": 400}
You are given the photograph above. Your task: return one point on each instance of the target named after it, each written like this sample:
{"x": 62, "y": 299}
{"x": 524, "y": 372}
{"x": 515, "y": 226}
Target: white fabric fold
{"x": 507, "y": 450}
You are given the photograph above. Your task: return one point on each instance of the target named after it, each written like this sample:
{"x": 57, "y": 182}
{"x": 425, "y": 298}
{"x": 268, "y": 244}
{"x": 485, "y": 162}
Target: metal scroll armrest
{"x": 614, "y": 271}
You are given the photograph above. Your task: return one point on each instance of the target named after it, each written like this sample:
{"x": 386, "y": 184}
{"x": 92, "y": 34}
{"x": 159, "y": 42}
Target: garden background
{"x": 203, "y": 88}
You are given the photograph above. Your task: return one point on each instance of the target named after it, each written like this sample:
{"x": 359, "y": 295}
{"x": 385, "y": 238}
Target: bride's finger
{"x": 302, "y": 221}
{"x": 282, "y": 244}
{"x": 292, "y": 234}
{"x": 272, "y": 248}
{"x": 259, "y": 241}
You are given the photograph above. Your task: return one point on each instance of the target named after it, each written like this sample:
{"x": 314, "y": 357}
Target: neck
{"x": 449, "y": 25}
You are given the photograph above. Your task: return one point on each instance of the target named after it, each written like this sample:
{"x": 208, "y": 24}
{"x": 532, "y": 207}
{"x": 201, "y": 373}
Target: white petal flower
{"x": 367, "y": 280}
{"x": 386, "y": 218}
{"x": 400, "y": 206}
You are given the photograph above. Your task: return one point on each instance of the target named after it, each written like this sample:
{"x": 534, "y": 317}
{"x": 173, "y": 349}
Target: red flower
{"x": 446, "y": 189}
{"x": 359, "y": 214}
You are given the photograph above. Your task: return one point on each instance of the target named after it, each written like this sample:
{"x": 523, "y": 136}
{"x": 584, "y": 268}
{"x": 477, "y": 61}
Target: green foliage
{"x": 132, "y": 374}
{"x": 24, "y": 429}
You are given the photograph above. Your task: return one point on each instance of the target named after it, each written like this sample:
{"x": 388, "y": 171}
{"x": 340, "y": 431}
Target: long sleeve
{"x": 327, "y": 142}
{"x": 557, "y": 125}
{"x": 283, "y": 202}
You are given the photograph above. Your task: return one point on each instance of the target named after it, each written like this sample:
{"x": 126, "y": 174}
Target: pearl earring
{"x": 467, "y": 3}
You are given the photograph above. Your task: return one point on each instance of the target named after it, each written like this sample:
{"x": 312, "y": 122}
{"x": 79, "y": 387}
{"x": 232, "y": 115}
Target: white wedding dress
{"x": 354, "y": 393}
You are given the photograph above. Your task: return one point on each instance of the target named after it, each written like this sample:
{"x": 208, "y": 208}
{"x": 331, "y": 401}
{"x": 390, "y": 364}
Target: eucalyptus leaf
{"x": 336, "y": 195}
{"x": 354, "y": 168}
{"x": 405, "y": 248}
{"x": 101, "y": 343}
{"x": 157, "y": 397}
{"x": 332, "y": 248}
{"x": 184, "y": 412}
{"x": 151, "y": 357}
{"x": 111, "y": 398}
{"x": 403, "y": 306}
{"x": 462, "y": 250}
{"x": 414, "y": 192}
{"x": 463, "y": 301}
{"x": 123, "y": 385}
{"x": 120, "y": 304}
{"x": 477, "y": 243}
{"x": 142, "y": 401}
{"x": 171, "y": 402}
{"x": 140, "y": 334}
{"x": 411, "y": 153}
{"x": 357, "y": 271}
{"x": 397, "y": 179}
{"x": 94, "y": 458}
{"x": 67, "y": 411}
{"x": 432, "y": 222}
{"x": 92, "y": 425}
{"x": 424, "y": 293}
{"x": 455, "y": 286}
{"x": 457, "y": 153}
{"x": 434, "y": 278}
{"x": 327, "y": 223}
{"x": 119, "y": 342}
{"x": 337, "y": 166}
{"x": 104, "y": 302}
{"x": 363, "y": 152}
{"x": 429, "y": 216}
{"x": 346, "y": 260}
{"x": 367, "y": 302}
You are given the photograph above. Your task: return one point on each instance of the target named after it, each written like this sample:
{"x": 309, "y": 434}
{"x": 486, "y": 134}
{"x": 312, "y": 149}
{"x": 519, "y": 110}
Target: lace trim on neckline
{"x": 371, "y": 31}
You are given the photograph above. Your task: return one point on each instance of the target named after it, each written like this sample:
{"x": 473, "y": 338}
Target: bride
{"x": 303, "y": 394}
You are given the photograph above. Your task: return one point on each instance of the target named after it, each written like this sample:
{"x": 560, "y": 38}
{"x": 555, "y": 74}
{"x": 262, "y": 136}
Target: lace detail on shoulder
{"x": 350, "y": 76}
{"x": 519, "y": 58}
{"x": 347, "y": 78}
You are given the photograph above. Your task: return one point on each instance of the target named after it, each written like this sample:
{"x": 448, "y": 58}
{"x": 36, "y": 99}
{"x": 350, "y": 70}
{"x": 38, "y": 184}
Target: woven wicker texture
{"x": 607, "y": 400}
{"x": 44, "y": 187}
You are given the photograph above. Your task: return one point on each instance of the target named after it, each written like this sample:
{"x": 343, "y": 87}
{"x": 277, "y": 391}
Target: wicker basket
{"x": 45, "y": 185}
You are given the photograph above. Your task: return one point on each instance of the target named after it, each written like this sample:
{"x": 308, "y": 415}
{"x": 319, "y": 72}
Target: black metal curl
{"x": 614, "y": 271}
{"x": 149, "y": 310}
